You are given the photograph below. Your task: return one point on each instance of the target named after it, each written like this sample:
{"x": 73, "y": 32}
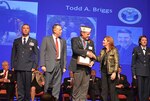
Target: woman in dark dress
{"x": 37, "y": 84}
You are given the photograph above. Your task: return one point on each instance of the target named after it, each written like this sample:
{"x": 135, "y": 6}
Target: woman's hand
{"x": 113, "y": 76}
{"x": 43, "y": 68}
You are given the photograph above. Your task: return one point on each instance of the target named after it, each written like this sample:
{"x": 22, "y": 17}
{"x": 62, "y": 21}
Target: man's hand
{"x": 6, "y": 80}
{"x": 12, "y": 69}
{"x": 119, "y": 86}
{"x": 91, "y": 64}
{"x": 134, "y": 77}
{"x": 43, "y": 68}
{"x": 91, "y": 55}
{"x": 64, "y": 69}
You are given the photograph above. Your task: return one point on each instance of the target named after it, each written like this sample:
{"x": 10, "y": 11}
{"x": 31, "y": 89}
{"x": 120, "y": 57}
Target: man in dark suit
{"x": 134, "y": 88}
{"x": 7, "y": 80}
{"x": 25, "y": 54}
{"x": 67, "y": 85}
{"x": 94, "y": 86}
{"x": 53, "y": 59}
{"x": 141, "y": 67}
{"x": 82, "y": 48}
{"x": 123, "y": 85}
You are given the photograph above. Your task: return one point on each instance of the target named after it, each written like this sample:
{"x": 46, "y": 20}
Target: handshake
{"x": 91, "y": 55}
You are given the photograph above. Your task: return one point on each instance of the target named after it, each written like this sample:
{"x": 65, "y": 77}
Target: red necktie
{"x": 57, "y": 48}
{"x": 5, "y": 74}
{"x": 84, "y": 44}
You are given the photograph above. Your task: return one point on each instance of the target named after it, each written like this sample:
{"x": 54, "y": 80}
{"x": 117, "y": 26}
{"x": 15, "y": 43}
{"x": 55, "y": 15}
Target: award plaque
{"x": 83, "y": 60}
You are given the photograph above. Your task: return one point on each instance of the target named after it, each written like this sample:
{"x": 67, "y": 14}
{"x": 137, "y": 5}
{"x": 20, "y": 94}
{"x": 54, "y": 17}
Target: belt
{"x": 57, "y": 60}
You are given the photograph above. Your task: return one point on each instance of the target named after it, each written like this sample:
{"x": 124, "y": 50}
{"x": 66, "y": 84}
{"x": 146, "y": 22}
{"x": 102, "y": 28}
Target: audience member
{"x": 94, "y": 86}
{"x": 7, "y": 80}
{"x": 37, "y": 84}
{"x": 134, "y": 88}
{"x": 47, "y": 97}
{"x": 68, "y": 84}
{"x": 123, "y": 86}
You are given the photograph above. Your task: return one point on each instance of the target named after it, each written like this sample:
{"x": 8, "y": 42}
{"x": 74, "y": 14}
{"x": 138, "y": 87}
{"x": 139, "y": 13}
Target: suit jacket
{"x": 112, "y": 60}
{"x": 65, "y": 86}
{"x": 95, "y": 86}
{"x": 10, "y": 87}
{"x": 78, "y": 50}
{"x": 24, "y": 57}
{"x": 141, "y": 62}
{"x": 10, "y": 75}
{"x": 124, "y": 82}
{"x": 39, "y": 77}
{"x": 48, "y": 53}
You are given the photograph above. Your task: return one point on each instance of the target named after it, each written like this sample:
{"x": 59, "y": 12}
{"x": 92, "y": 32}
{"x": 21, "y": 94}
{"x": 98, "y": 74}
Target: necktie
{"x": 144, "y": 50}
{"x": 84, "y": 44}
{"x": 5, "y": 73}
{"x": 57, "y": 48}
{"x": 24, "y": 41}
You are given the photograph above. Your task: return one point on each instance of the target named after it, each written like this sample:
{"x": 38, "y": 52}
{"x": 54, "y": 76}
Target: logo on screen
{"x": 129, "y": 15}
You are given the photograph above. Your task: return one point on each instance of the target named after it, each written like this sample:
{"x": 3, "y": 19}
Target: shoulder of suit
{"x": 47, "y": 37}
{"x": 18, "y": 39}
{"x": 75, "y": 38}
{"x": 138, "y": 47}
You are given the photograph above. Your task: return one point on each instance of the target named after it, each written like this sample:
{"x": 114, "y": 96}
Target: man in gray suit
{"x": 53, "y": 59}
{"x": 82, "y": 46}
{"x": 24, "y": 60}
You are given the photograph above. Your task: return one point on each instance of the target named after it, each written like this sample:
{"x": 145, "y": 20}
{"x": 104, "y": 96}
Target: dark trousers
{"x": 24, "y": 84}
{"x": 108, "y": 87}
{"x": 143, "y": 88}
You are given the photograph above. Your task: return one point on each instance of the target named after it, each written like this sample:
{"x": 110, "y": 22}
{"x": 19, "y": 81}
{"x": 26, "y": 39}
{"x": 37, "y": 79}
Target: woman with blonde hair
{"x": 109, "y": 60}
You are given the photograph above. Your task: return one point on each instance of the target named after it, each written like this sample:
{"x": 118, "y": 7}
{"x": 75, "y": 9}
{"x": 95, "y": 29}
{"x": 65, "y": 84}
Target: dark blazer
{"x": 10, "y": 75}
{"x": 95, "y": 86}
{"x": 78, "y": 50}
{"x": 67, "y": 85}
{"x": 24, "y": 57}
{"x": 141, "y": 62}
{"x": 10, "y": 87}
{"x": 124, "y": 82}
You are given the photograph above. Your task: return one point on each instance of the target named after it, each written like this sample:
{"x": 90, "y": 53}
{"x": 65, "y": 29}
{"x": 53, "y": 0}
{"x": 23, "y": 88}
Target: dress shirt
{"x": 58, "y": 39}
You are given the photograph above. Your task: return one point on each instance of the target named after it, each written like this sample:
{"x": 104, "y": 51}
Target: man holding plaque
{"x": 81, "y": 63}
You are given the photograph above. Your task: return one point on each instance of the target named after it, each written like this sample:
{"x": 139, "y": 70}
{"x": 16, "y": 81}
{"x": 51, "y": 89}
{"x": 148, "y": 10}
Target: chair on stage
{"x": 38, "y": 96}
{"x": 122, "y": 97}
{"x": 3, "y": 94}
